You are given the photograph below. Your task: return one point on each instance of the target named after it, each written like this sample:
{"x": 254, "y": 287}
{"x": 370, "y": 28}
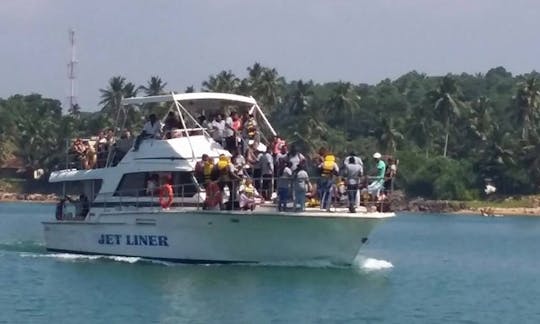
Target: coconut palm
{"x": 481, "y": 123}
{"x": 343, "y": 103}
{"x": 224, "y": 81}
{"x": 154, "y": 87}
{"x": 300, "y": 99}
{"x": 528, "y": 102}
{"x": 389, "y": 135}
{"x": 267, "y": 88}
{"x": 446, "y": 104}
{"x": 111, "y": 99}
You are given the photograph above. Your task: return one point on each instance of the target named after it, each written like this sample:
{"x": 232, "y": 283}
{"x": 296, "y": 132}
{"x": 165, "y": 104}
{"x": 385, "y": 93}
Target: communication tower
{"x": 72, "y": 99}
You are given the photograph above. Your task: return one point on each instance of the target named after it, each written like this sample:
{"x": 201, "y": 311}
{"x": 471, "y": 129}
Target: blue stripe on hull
{"x": 186, "y": 261}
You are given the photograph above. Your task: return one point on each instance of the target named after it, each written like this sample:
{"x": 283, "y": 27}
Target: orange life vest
{"x": 166, "y": 196}
{"x": 213, "y": 195}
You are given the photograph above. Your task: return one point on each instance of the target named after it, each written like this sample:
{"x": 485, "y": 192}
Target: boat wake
{"x": 370, "y": 264}
{"x": 85, "y": 258}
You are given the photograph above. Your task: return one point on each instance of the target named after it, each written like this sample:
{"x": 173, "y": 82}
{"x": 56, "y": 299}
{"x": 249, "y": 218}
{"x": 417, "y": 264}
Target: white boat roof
{"x": 182, "y": 148}
{"x": 177, "y": 154}
{"x": 189, "y": 97}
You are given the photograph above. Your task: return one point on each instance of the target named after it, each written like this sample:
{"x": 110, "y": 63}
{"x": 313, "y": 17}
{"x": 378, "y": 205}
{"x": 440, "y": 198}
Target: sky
{"x": 184, "y": 42}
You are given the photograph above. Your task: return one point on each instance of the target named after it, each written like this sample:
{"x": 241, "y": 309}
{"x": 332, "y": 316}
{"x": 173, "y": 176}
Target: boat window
{"x": 132, "y": 185}
{"x": 90, "y": 188}
{"x": 184, "y": 184}
{"x": 136, "y": 184}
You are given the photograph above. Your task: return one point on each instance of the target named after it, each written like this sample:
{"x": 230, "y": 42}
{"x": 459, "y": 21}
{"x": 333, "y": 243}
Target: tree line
{"x": 450, "y": 133}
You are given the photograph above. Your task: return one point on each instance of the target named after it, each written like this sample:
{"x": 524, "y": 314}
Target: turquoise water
{"x": 415, "y": 269}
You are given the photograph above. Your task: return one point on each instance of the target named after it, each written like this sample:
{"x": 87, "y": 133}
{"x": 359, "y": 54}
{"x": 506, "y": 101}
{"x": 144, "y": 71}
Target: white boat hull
{"x": 216, "y": 236}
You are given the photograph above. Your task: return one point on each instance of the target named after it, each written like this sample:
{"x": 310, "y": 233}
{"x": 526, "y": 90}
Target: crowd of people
{"x": 276, "y": 171}
{"x": 101, "y": 150}
{"x": 282, "y": 173}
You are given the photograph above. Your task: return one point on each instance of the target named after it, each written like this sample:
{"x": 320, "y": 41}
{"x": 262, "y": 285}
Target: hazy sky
{"x": 184, "y": 42}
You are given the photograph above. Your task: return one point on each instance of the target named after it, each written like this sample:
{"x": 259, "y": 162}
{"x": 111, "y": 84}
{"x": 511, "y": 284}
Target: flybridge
{"x": 188, "y": 104}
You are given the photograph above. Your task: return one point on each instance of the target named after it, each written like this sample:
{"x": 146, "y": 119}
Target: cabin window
{"x": 132, "y": 185}
{"x": 90, "y": 188}
{"x": 137, "y": 184}
{"x": 184, "y": 184}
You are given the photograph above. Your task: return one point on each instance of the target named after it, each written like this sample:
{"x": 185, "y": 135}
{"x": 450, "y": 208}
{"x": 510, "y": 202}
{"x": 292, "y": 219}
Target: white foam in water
{"x": 75, "y": 257}
{"x": 124, "y": 259}
{"x": 64, "y": 256}
{"x": 371, "y": 264}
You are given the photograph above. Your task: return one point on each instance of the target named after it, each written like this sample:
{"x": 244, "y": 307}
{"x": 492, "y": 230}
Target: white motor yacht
{"x": 122, "y": 218}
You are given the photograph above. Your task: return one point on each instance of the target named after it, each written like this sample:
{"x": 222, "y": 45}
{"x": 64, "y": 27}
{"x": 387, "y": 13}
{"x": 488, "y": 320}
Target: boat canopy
{"x": 194, "y": 96}
{"x": 77, "y": 175}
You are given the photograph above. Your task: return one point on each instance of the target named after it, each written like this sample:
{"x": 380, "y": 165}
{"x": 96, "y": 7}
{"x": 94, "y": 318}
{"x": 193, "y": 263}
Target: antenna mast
{"x": 73, "y": 106}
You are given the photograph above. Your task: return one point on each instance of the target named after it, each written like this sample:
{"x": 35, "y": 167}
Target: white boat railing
{"x": 335, "y": 195}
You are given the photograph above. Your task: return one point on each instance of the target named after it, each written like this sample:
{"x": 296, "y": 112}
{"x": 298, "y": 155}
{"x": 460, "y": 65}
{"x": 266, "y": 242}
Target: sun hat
{"x": 377, "y": 155}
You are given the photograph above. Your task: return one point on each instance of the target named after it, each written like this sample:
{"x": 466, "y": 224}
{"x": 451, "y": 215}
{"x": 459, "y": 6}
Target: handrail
{"x": 143, "y": 198}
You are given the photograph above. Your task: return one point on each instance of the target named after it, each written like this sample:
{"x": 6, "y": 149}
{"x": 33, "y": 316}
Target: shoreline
{"x": 494, "y": 211}
{"x": 503, "y": 211}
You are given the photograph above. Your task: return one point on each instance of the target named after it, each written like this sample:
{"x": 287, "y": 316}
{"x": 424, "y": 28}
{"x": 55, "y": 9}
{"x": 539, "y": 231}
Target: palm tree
{"x": 480, "y": 119}
{"x": 224, "y": 81}
{"x": 422, "y": 127}
{"x": 154, "y": 87}
{"x": 528, "y": 101}
{"x": 343, "y": 103}
{"x": 111, "y": 99}
{"x": 300, "y": 99}
{"x": 389, "y": 135}
{"x": 267, "y": 88}
{"x": 446, "y": 104}
{"x": 112, "y": 96}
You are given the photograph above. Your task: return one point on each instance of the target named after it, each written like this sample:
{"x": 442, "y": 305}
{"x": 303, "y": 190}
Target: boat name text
{"x": 133, "y": 239}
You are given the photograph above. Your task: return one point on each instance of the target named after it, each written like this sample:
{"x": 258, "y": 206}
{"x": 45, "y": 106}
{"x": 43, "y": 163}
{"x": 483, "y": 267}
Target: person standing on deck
{"x": 301, "y": 187}
{"x": 283, "y": 186}
{"x": 353, "y": 172}
{"x": 378, "y": 181}
{"x": 329, "y": 170}
{"x": 227, "y": 177}
{"x": 266, "y": 163}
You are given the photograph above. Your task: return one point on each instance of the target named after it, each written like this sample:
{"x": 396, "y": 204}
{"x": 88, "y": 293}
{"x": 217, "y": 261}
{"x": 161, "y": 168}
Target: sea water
{"x": 416, "y": 268}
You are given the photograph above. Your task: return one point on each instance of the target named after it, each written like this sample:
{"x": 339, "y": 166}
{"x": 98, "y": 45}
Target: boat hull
{"x": 210, "y": 237}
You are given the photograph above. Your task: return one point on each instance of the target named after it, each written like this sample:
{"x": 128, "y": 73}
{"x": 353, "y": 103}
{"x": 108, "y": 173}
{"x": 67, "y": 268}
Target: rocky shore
{"x": 398, "y": 203}
{"x": 34, "y": 197}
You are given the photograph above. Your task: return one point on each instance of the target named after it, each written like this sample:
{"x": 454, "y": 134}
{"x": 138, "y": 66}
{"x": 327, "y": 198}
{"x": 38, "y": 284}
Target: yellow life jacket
{"x": 251, "y": 128}
{"x": 223, "y": 165}
{"x": 328, "y": 165}
{"x": 207, "y": 170}
{"x": 249, "y": 190}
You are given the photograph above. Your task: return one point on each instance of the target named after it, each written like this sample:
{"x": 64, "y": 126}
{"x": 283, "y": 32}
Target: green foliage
{"x": 487, "y": 125}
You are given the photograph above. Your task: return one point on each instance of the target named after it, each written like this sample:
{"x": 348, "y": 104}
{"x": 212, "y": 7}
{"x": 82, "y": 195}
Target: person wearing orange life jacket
{"x": 166, "y": 193}
{"x": 226, "y": 177}
{"x": 329, "y": 170}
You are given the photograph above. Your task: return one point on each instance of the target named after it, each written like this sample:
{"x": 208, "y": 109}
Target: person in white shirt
{"x": 151, "y": 129}
{"x": 229, "y": 134}
{"x": 218, "y": 126}
{"x": 266, "y": 163}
